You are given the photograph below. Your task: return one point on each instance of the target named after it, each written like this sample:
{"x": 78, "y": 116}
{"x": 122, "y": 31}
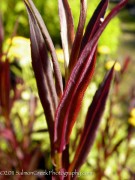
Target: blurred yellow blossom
{"x": 20, "y": 49}
{"x": 103, "y": 49}
{"x": 110, "y": 63}
{"x": 132, "y": 112}
{"x": 131, "y": 121}
{"x": 60, "y": 55}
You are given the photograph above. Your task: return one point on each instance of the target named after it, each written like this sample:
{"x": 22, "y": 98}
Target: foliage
{"x": 52, "y": 20}
{"x": 18, "y": 114}
{"x": 114, "y": 148}
{"x": 62, "y": 108}
{"x": 72, "y": 121}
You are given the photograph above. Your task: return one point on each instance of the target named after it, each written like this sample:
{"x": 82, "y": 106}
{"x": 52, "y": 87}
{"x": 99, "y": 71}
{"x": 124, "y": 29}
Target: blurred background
{"x": 24, "y": 140}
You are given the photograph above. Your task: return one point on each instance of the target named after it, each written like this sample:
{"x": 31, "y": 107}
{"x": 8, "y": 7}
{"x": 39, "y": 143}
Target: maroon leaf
{"x": 76, "y": 86}
{"x": 70, "y": 23}
{"x": 92, "y": 122}
{"x": 41, "y": 66}
{"x": 95, "y": 22}
{"x": 82, "y": 85}
{"x": 49, "y": 44}
{"x": 67, "y": 29}
{"x": 83, "y": 67}
{"x": 5, "y": 89}
{"x": 125, "y": 64}
{"x": 111, "y": 15}
{"x": 79, "y": 35}
{"x": 75, "y": 102}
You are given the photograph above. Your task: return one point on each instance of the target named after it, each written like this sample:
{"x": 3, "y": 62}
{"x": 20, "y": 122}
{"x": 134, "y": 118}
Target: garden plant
{"x": 61, "y": 96}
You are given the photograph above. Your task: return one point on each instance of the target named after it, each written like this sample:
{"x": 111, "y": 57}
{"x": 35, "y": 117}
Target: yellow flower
{"x": 132, "y": 112}
{"x": 110, "y": 63}
{"x": 20, "y": 48}
{"x": 60, "y": 55}
{"x": 18, "y": 40}
{"x": 131, "y": 121}
{"x": 103, "y": 49}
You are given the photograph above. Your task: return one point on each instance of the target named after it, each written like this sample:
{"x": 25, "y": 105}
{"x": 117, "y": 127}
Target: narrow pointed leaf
{"x": 49, "y": 76}
{"x": 79, "y": 92}
{"x": 70, "y": 23}
{"x": 126, "y": 62}
{"x": 95, "y": 22}
{"x": 67, "y": 28}
{"x": 92, "y": 122}
{"x": 40, "y": 63}
{"x": 75, "y": 104}
{"x": 5, "y": 89}
{"x": 63, "y": 111}
{"x": 79, "y": 35}
{"x": 111, "y": 15}
{"x": 49, "y": 44}
{"x": 76, "y": 86}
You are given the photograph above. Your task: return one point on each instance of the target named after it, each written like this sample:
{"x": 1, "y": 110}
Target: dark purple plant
{"x": 107, "y": 146}
{"x": 17, "y": 153}
{"x": 62, "y": 104}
